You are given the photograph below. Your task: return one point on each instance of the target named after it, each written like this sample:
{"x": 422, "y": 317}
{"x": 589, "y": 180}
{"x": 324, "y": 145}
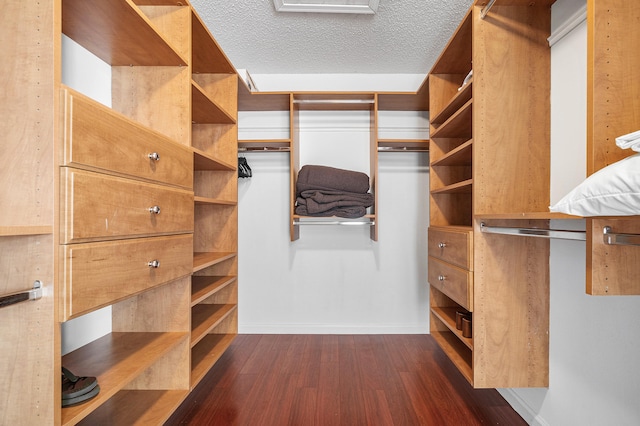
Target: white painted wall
{"x": 334, "y": 279}
{"x": 594, "y": 377}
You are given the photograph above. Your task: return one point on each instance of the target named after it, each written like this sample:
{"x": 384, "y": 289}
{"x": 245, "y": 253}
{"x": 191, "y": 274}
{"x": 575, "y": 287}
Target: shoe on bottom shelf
{"x": 77, "y": 389}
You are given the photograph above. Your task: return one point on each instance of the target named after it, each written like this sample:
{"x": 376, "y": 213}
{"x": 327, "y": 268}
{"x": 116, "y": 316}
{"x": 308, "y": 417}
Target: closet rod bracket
{"x": 611, "y": 238}
{"x": 11, "y": 299}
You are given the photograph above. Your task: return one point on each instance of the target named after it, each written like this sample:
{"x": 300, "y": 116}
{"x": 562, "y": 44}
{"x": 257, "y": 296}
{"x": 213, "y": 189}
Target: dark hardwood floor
{"x": 349, "y": 380}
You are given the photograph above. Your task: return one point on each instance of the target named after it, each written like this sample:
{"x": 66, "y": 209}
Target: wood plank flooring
{"x": 273, "y": 380}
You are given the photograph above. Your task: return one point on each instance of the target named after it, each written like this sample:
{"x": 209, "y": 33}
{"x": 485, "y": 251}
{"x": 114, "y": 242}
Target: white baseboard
{"x": 522, "y": 408}
{"x": 330, "y": 329}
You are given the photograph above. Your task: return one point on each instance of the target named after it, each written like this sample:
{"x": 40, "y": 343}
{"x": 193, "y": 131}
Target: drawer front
{"x": 97, "y": 137}
{"x": 99, "y": 274}
{"x": 99, "y": 207}
{"x": 452, "y": 246}
{"x": 456, "y": 283}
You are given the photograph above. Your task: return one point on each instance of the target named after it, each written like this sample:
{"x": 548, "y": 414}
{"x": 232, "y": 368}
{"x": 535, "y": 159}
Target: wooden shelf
{"x": 457, "y": 352}
{"x": 334, "y": 101}
{"x": 399, "y": 145}
{"x": 527, "y": 215}
{"x": 206, "y": 110}
{"x": 203, "y": 161}
{"x": 207, "y": 56}
{"x": 456, "y": 188}
{"x": 203, "y": 260}
{"x": 460, "y": 156}
{"x": 405, "y": 101}
{"x": 205, "y": 286}
{"x": 129, "y": 407}
{"x": 205, "y": 317}
{"x": 115, "y": 360}
{"x": 448, "y": 318}
{"x": 16, "y": 231}
{"x": 119, "y": 33}
{"x": 460, "y": 99}
{"x": 206, "y": 353}
{"x": 458, "y": 125}
{"x": 213, "y": 201}
{"x": 264, "y": 145}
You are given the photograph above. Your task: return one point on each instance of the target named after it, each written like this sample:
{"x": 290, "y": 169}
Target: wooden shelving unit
{"x": 294, "y": 102}
{"x": 486, "y": 159}
{"x": 171, "y": 132}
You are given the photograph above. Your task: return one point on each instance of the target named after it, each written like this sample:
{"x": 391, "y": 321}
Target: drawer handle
{"x": 154, "y": 209}
{"x": 442, "y": 245}
{"x": 154, "y": 264}
{"x": 441, "y": 278}
{"x": 154, "y": 156}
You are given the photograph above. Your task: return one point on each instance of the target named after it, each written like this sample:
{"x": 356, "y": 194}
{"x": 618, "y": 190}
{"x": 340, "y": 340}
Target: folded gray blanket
{"x": 332, "y": 179}
{"x": 333, "y": 203}
{"x": 346, "y": 212}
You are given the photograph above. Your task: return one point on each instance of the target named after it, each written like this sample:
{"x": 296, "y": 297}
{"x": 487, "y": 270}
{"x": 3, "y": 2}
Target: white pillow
{"x": 611, "y": 191}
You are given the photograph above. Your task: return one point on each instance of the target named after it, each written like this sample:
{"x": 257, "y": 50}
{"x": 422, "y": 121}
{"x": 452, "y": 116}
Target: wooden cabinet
{"x": 490, "y": 158}
{"x": 117, "y": 207}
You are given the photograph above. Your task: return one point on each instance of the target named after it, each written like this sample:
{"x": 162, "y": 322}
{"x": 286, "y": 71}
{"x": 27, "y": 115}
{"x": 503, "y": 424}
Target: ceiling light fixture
{"x": 327, "y": 6}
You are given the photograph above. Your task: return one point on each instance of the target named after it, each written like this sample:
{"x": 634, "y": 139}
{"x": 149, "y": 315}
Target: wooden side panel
{"x": 511, "y": 104}
{"x": 612, "y": 269}
{"x": 511, "y": 309}
{"x": 30, "y": 344}
{"x": 30, "y": 78}
{"x": 613, "y": 92}
{"x": 613, "y": 109}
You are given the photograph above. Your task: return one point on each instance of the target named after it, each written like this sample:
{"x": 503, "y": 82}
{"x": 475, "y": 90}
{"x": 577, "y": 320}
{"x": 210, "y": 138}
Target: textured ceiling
{"x": 404, "y": 37}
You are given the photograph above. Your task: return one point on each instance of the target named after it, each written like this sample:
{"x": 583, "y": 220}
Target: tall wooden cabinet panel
{"x": 612, "y": 110}
{"x": 100, "y": 209}
{"x": 29, "y": 349}
{"x": 490, "y": 157}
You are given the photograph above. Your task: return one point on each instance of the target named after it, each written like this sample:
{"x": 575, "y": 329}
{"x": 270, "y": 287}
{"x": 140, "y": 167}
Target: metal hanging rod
{"x": 333, "y": 101}
{"x": 486, "y": 9}
{"x": 535, "y": 232}
{"x": 611, "y": 238}
{"x": 334, "y": 222}
{"x": 22, "y": 296}
{"x": 264, "y": 149}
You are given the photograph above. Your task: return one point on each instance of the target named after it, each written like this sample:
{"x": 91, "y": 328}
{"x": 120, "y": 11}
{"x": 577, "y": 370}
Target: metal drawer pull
{"x": 154, "y": 209}
{"x": 22, "y": 296}
{"x": 442, "y": 245}
{"x": 154, "y": 264}
{"x": 154, "y": 156}
{"x": 441, "y": 278}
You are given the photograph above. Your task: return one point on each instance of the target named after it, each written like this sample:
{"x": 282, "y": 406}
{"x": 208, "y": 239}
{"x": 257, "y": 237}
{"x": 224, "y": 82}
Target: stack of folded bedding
{"x": 327, "y": 191}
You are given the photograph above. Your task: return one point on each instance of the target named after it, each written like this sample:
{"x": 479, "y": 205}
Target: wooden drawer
{"x": 98, "y": 207}
{"x": 453, "y": 245}
{"x": 99, "y": 274}
{"x": 455, "y": 282}
{"x": 97, "y": 137}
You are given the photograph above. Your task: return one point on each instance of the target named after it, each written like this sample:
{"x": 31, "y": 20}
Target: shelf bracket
{"x": 535, "y": 232}
{"x": 611, "y": 238}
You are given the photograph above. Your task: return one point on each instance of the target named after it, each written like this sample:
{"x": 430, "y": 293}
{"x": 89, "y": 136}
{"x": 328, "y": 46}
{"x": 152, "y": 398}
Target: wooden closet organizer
{"x": 294, "y": 102}
{"x": 490, "y": 167}
{"x": 133, "y": 207}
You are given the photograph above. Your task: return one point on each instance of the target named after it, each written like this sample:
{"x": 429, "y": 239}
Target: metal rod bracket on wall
{"x": 611, "y": 238}
{"x": 22, "y": 296}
